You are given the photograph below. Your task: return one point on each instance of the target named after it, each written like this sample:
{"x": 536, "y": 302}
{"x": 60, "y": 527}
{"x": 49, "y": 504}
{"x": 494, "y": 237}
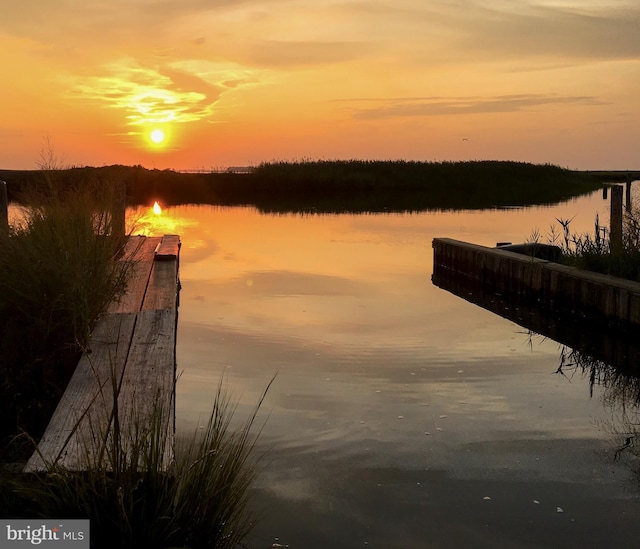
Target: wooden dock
{"x": 126, "y": 381}
{"x": 590, "y": 296}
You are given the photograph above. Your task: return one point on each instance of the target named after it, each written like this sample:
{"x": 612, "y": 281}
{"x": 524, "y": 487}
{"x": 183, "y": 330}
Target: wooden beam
{"x": 119, "y": 208}
{"x": 81, "y": 419}
{"x": 148, "y": 385}
{"x": 4, "y": 208}
{"x": 169, "y": 248}
{"x": 162, "y": 291}
{"x": 615, "y": 220}
{"x": 139, "y": 251}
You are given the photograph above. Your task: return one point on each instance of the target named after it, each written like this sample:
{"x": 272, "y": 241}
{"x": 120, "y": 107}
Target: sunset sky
{"x": 238, "y": 82}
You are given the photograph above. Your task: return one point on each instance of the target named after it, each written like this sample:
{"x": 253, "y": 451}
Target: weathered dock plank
{"x": 132, "y": 355}
{"x": 139, "y": 251}
{"x": 168, "y": 249}
{"x": 161, "y": 291}
{"x": 148, "y": 383}
{"x": 82, "y": 417}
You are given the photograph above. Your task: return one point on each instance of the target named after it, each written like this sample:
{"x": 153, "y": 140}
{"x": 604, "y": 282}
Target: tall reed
{"x": 592, "y": 251}
{"x": 58, "y": 273}
{"x": 132, "y": 500}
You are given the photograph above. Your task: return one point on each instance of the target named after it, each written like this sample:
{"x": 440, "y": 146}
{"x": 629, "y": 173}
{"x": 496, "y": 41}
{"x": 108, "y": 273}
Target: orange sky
{"x": 239, "y": 82}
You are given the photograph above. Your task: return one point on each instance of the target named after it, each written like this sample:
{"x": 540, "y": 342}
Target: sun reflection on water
{"x": 155, "y": 220}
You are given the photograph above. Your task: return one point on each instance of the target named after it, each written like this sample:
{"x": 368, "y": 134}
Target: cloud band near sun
{"x": 372, "y": 109}
{"x": 150, "y": 96}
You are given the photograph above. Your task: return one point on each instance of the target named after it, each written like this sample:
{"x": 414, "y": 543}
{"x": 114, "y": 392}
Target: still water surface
{"x": 401, "y": 416}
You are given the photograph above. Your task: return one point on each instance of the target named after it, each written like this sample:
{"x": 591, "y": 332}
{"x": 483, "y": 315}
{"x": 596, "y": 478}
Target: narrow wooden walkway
{"x": 126, "y": 382}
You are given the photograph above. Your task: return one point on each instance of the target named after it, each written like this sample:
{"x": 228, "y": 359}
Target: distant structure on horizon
{"x": 230, "y": 169}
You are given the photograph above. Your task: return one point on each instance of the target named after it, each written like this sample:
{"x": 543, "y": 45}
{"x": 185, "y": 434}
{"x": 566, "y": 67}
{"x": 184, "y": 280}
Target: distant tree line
{"x": 340, "y": 186}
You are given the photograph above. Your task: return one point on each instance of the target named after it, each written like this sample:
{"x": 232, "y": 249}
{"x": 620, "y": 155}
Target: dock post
{"x": 118, "y": 210}
{"x": 628, "y": 193}
{"x": 615, "y": 220}
{"x": 4, "y": 208}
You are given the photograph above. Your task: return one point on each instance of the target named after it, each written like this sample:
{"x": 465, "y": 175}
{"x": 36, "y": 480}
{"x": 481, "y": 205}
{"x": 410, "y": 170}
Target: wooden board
{"x": 169, "y": 248}
{"x": 132, "y": 352}
{"x": 162, "y": 290}
{"x": 148, "y": 384}
{"x": 82, "y": 415}
{"x": 140, "y": 253}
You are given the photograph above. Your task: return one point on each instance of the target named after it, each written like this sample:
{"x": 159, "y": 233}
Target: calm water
{"x": 401, "y": 416}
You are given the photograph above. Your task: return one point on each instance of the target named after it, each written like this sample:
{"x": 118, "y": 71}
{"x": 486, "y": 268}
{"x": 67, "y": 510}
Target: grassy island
{"x": 347, "y": 186}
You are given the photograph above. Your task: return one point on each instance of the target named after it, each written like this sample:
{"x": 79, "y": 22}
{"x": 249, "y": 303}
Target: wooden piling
{"x": 4, "y": 208}
{"x": 118, "y": 209}
{"x": 615, "y": 220}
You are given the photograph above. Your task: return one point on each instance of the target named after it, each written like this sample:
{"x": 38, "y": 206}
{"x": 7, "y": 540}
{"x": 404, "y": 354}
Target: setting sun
{"x": 156, "y": 208}
{"x": 157, "y": 136}
{"x": 239, "y": 83}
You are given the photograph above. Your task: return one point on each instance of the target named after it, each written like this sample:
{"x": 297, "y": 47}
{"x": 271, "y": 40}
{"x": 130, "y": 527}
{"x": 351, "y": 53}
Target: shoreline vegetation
{"x": 58, "y": 273}
{"x": 593, "y": 251}
{"x": 61, "y": 267}
{"x": 133, "y": 502}
{"x": 343, "y": 186}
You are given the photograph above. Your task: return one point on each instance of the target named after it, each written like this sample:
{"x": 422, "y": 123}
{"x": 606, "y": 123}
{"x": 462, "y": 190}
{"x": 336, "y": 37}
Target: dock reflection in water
{"x": 608, "y": 356}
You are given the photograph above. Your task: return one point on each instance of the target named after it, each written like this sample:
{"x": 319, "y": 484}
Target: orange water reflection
{"x": 342, "y": 281}
{"x": 385, "y": 381}
{"x": 154, "y": 221}
{"x": 248, "y": 256}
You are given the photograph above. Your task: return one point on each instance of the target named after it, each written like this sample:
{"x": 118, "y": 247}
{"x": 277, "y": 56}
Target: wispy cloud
{"x": 258, "y": 61}
{"x": 438, "y": 32}
{"x": 592, "y": 31}
{"x": 440, "y": 106}
{"x": 150, "y": 96}
{"x": 287, "y": 53}
{"x": 281, "y": 33}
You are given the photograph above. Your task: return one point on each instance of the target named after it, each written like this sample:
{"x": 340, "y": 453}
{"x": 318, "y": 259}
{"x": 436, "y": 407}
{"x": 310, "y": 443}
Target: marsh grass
{"x": 133, "y": 500}
{"x": 355, "y": 186}
{"x": 58, "y": 273}
{"x": 592, "y": 251}
{"x": 378, "y": 186}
